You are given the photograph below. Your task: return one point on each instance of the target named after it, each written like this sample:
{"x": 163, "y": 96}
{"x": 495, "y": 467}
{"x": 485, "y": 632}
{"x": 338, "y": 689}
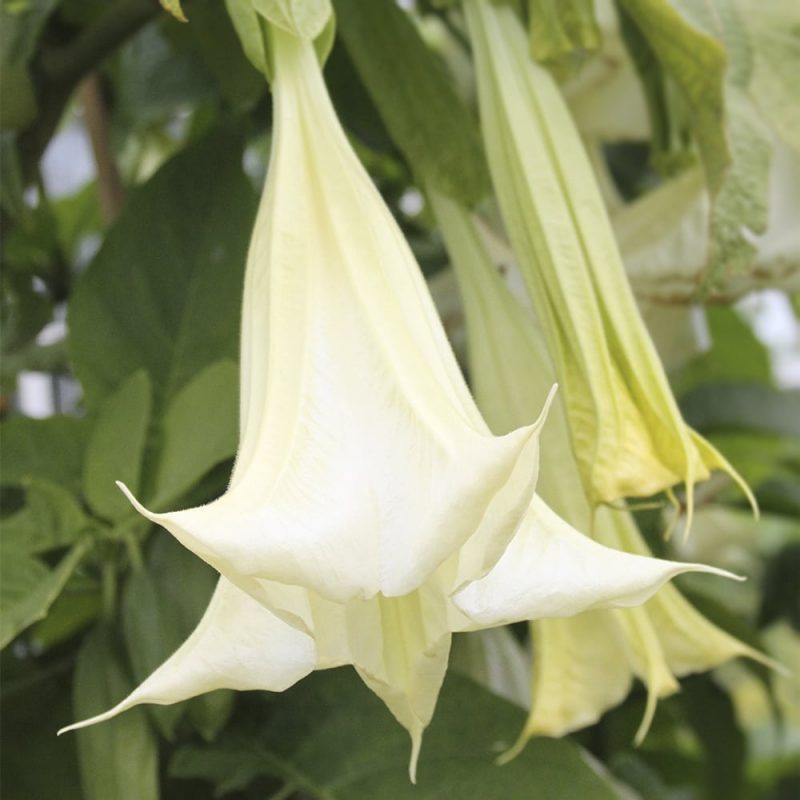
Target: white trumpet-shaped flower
{"x": 584, "y": 664}
{"x": 628, "y": 435}
{"x": 371, "y": 512}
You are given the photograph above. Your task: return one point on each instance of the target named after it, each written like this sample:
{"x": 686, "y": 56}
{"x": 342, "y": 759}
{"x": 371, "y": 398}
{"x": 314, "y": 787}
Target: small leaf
{"x": 696, "y": 63}
{"x": 210, "y": 712}
{"x": 116, "y": 447}
{"x": 118, "y": 759}
{"x": 174, "y": 8}
{"x": 248, "y": 28}
{"x": 29, "y": 589}
{"x": 562, "y": 32}
{"x": 200, "y": 429}
{"x": 51, "y": 449}
{"x": 418, "y": 103}
{"x": 52, "y": 518}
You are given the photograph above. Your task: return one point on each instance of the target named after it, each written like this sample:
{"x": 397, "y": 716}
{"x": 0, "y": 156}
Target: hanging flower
{"x": 371, "y": 512}
{"x": 584, "y": 664}
{"x": 628, "y": 435}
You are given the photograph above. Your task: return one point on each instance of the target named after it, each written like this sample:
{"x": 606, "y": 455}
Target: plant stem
{"x": 59, "y": 70}
{"x": 95, "y": 114}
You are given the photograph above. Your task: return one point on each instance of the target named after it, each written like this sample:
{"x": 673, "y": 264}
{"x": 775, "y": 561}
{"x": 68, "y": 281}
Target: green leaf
{"x": 19, "y": 97}
{"x": 774, "y": 28}
{"x": 696, "y": 63}
{"x": 711, "y": 714}
{"x": 743, "y": 406}
{"x": 25, "y": 311}
{"x": 21, "y": 25}
{"x": 51, "y": 518}
{"x": 210, "y": 712}
{"x": 199, "y": 429}
{"x": 331, "y": 738}
{"x": 50, "y": 449}
{"x": 704, "y": 47}
{"x": 155, "y": 75}
{"x": 561, "y": 32}
{"x": 418, "y": 103}
{"x": 248, "y": 28}
{"x": 118, "y": 759}
{"x": 735, "y": 354}
{"x": 217, "y": 43}
{"x": 164, "y": 292}
{"x": 159, "y": 613}
{"x": 36, "y": 765}
{"x": 116, "y": 447}
{"x": 29, "y": 588}
{"x": 303, "y": 18}
{"x": 79, "y": 605}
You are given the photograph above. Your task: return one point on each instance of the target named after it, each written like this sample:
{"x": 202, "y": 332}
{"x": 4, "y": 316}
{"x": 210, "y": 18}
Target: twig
{"x": 109, "y": 184}
{"x": 59, "y": 70}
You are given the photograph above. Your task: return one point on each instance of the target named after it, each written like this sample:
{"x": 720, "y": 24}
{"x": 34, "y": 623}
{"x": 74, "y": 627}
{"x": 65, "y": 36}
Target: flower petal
{"x": 238, "y": 644}
{"x": 363, "y": 463}
{"x": 580, "y": 669}
{"x": 628, "y": 435}
{"x": 552, "y": 570}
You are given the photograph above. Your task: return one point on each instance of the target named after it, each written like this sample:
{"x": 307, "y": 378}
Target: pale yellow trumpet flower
{"x": 584, "y": 664}
{"x": 628, "y": 435}
{"x": 371, "y": 511}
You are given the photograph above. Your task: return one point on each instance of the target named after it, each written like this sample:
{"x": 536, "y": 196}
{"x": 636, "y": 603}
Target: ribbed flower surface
{"x": 371, "y": 511}
{"x": 628, "y": 434}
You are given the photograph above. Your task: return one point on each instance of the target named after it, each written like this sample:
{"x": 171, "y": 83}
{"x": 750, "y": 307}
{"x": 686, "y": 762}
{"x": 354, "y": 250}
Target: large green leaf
{"x": 199, "y": 430}
{"x": 29, "y": 588}
{"x": 51, "y": 449}
{"x": 118, "y": 759}
{"x": 711, "y": 714}
{"x": 116, "y": 447}
{"x": 164, "y": 292}
{"x": 331, "y": 738}
{"x": 418, "y": 102}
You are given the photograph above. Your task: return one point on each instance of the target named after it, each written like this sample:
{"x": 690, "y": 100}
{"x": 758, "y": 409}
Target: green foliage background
{"x": 93, "y": 598}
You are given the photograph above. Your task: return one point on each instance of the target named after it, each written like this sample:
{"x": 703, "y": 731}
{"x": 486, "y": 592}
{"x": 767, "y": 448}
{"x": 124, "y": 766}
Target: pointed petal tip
{"x": 543, "y": 414}
{"x": 416, "y": 745}
{"x": 135, "y": 503}
{"x": 85, "y": 723}
{"x": 648, "y": 716}
{"x": 133, "y": 699}
{"x": 509, "y": 755}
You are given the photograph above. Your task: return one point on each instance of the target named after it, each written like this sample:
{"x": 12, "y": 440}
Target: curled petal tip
{"x": 546, "y": 407}
{"x": 134, "y": 502}
{"x": 416, "y": 744}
